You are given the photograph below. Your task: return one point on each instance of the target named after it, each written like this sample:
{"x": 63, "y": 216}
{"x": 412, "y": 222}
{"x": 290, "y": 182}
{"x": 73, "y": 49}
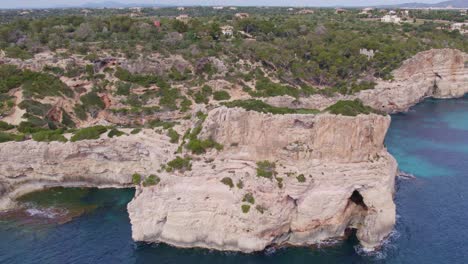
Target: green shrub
{"x": 260, "y": 106}
{"x": 114, "y": 132}
{"x": 180, "y": 164}
{"x": 89, "y": 133}
{"x": 35, "y": 108}
{"x": 158, "y": 123}
{"x": 67, "y": 120}
{"x": 136, "y": 179}
{"x": 135, "y": 131}
{"x": 92, "y": 102}
{"x": 151, "y": 180}
{"x": 221, "y": 95}
{"x": 123, "y": 88}
{"x": 301, "y": 178}
{"x": 17, "y": 52}
{"x": 198, "y": 146}
{"x": 245, "y": 208}
{"x": 248, "y": 198}
{"x": 173, "y": 135}
{"x": 5, "y": 126}
{"x": 4, "y": 137}
{"x": 266, "y": 88}
{"x": 185, "y": 105}
{"x": 40, "y": 85}
{"x": 279, "y": 180}
{"x": 49, "y": 135}
{"x": 266, "y": 169}
{"x": 240, "y": 184}
{"x": 80, "y": 112}
{"x": 350, "y": 108}
{"x": 227, "y": 181}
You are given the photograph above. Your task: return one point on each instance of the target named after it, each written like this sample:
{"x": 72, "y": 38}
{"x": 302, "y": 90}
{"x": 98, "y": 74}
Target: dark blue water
{"x": 430, "y": 141}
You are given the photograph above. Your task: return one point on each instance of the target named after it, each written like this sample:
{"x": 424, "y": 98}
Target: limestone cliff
{"x": 337, "y": 156}
{"x": 331, "y": 173}
{"x": 439, "y": 73}
{"x": 29, "y": 166}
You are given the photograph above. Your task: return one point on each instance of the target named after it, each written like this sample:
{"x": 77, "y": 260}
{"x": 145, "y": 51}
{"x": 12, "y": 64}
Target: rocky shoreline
{"x": 347, "y": 182}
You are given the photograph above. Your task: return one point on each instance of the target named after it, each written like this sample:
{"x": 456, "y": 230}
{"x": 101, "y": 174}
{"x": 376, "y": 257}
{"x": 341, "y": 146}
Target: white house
{"x": 391, "y": 19}
{"x": 368, "y": 53}
{"x": 184, "y": 18}
{"x": 218, "y": 7}
{"x": 227, "y": 31}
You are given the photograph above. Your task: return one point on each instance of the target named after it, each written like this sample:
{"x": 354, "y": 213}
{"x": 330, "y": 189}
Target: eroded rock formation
{"x": 337, "y": 156}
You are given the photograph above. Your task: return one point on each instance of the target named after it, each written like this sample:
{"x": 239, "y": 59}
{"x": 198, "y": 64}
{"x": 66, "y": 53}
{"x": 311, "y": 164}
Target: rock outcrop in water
{"x": 331, "y": 174}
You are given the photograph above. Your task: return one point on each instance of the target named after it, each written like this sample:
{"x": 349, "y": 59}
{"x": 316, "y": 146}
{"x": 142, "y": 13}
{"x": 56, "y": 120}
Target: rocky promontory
{"x": 272, "y": 180}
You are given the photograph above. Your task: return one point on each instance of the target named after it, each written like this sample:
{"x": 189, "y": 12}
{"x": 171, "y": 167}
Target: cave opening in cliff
{"x": 357, "y": 198}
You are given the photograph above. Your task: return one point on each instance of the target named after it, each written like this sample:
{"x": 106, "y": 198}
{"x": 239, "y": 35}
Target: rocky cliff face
{"x": 348, "y": 183}
{"x": 29, "y": 166}
{"x": 440, "y": 73}
{"x": 435, "y": 73}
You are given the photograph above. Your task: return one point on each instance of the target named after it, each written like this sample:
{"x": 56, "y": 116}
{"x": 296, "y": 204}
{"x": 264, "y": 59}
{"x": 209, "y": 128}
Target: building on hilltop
{"x": 391, "y": 19}
{"x": 227, "y": 30}
{"x": 368, "y": 53}
{"x": 241, "y": 15}
{"x": 305, "y": 11}
{"x": 183, "y": 18}
{"x": 340, "y": 11}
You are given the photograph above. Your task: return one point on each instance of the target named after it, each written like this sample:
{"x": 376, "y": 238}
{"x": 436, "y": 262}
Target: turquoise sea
{"x": 430, "y": 142}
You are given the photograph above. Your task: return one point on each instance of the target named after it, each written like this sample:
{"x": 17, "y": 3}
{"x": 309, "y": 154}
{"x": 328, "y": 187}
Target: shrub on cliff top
{"x": 173, "y": 135}
{"x": 114, "y": 132}
{"x": 350, "y": 108}
{"x": 180, "y": 164}
{"x": 136, "y": 178}
{"x": 248, "y": 198}
{"x": 49, "y": 135}
{"x": 228, "y": 181}
{"x": 221, "y": 95}
{"x": 245, "y": 208}
{"x": 89, "y": 133}
{"x": 301, "y": 178}
{"x": 151, "y": 180}
{"x": 5, "y": 126}
{"x": 266, "y": 169}
{"x": 5, "y": 137}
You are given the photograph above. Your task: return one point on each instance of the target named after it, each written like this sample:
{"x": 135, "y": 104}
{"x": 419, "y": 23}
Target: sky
{"x": 59, "y": 3}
